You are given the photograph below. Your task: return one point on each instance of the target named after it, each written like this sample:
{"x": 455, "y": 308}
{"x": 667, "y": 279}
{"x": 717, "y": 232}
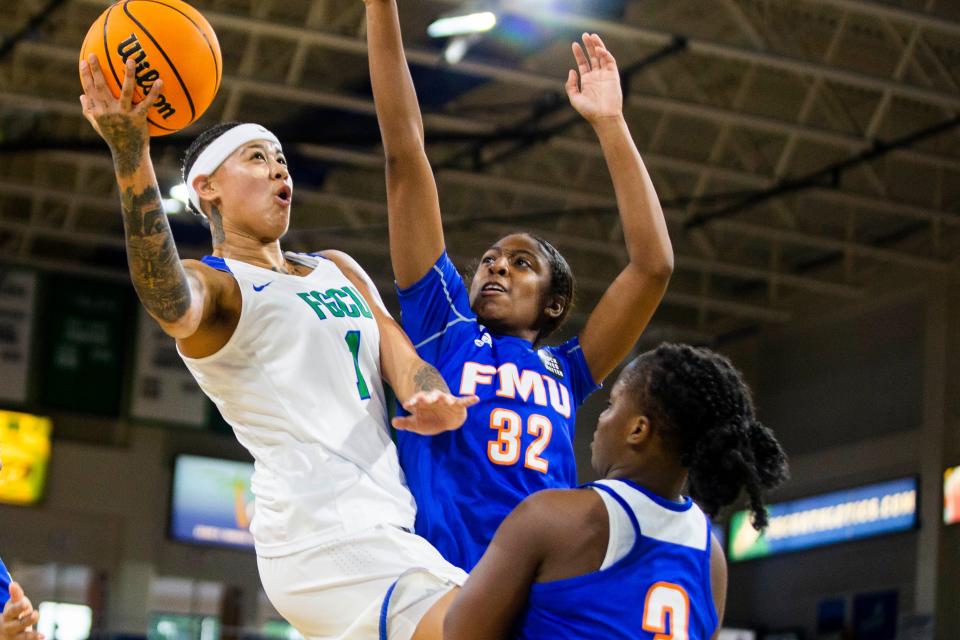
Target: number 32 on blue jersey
{"x": 505, "y": 450}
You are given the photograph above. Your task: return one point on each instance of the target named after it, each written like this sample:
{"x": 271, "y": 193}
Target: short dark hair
{"x": 706, "y": 411}
{"x": 196, "y": 147}
{"x": 562, "y": 284}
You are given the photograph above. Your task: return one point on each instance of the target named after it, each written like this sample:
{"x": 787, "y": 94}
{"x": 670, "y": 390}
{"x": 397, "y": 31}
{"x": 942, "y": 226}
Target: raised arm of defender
{"x": 416, "y": 231}
{"x": 629, "y": 302}
{"x": 179, "y": 299}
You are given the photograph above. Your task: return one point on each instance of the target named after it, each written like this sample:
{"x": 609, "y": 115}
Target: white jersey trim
{"x": 453, "y": 307}
{"x": 622, "y": 535}
{"x": 686, "y": 528}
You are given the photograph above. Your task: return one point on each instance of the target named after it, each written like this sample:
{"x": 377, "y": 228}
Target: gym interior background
{"x": 807, "y": 153}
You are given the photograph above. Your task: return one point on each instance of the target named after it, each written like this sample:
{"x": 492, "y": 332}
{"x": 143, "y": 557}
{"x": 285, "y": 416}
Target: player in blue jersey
{"x": 630, "y": 556}
{"x": 486, "y": 339}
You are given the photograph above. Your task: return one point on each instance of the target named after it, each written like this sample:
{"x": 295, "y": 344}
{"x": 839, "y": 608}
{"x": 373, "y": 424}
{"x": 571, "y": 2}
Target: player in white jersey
{"x": 291, "y": 348}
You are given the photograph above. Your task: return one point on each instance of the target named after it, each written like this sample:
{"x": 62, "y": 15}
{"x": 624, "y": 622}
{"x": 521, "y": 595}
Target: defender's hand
{"x": 598, "y": 94}
{"x": 433, "y": 412}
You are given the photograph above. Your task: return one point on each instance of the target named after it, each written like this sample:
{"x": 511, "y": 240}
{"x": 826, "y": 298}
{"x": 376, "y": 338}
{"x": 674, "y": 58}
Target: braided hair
{"x": 196, "y": 147}
{"x": 561, "y": 284}
{"x": 707, "y": 417}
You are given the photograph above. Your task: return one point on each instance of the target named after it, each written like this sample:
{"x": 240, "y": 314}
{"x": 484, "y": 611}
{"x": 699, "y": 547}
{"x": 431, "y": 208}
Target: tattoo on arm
{"x": 155, "y": 268}
{"x": 427, "y": 378}
{"x": 127, "y": 143}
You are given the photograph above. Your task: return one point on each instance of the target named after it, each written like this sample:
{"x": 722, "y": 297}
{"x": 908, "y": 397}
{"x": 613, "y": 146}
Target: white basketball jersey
{"x": 299, "y": 382}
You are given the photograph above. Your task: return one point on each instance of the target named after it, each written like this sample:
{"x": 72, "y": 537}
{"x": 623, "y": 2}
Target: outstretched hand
{"x": 120, "y": 122}
{"x": 19, "y": 617}
{"x": 433, "y": 412}
{"x": 597, "y": 94}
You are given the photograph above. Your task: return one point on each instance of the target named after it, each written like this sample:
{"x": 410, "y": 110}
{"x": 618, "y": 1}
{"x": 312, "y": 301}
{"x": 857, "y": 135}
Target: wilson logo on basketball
{"x": 144, "y": 74}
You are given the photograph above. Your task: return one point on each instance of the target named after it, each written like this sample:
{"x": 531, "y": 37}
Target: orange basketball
{"x": 167, "y": 39}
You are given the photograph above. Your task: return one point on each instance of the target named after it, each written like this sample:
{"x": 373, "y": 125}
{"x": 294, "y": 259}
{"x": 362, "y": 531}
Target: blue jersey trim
{"x": 217, "y": 263}
{"x": 384, "y": 608}
{"x": 317, "y": 254}
{"x": 663, "y": 502}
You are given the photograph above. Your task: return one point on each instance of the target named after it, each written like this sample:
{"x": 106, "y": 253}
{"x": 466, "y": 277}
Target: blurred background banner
{"x": 85, "y": 334}
{"x": 211, "y": 502}
{"x": 951, "y": 495}
{"x": 25, "y": 453}
{"x": 18, "y": 292}
{"x": 163, "y": 389}
{"x": 867, "y": 511}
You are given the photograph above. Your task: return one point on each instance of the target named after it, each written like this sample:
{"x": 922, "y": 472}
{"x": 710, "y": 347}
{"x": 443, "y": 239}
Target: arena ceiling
{"x": 807, "y": 151}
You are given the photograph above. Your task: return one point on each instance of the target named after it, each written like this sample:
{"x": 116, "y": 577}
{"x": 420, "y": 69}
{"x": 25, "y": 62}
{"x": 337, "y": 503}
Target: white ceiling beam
{"x": 891, "y": 12}
{"x": 694, "y": 263}
{"x": 41, "y": 193}
{"x": 759, "y": 182}
{"x": 485, "y": 182}
{"x": 830, "y": 244}
{"x": 536, "y": 81}
{"x": 707, "y": 112}
{"x": 778, "y": 62}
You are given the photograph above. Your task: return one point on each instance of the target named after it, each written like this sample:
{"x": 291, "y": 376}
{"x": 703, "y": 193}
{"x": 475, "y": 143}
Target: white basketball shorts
{"x": 337, "y": 590}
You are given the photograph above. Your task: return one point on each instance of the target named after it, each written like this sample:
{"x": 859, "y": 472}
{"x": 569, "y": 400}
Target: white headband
{"x": 220, "y": 149}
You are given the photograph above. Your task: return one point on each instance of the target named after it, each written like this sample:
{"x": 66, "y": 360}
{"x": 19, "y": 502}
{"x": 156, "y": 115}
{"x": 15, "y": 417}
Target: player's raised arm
{"x": 630, "y": 301}
{"x": 420, "y": 388}
{"x": 175, "y": 297}
{"x": 416, "y": 232}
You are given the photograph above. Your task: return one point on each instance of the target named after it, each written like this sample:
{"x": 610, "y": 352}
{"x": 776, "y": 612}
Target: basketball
{"x": 167, "y": 39}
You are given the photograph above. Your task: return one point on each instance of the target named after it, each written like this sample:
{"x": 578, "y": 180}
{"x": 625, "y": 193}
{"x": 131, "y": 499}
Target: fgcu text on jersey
{"x": 299, "y": 382}
{"x": 516, "y": 441}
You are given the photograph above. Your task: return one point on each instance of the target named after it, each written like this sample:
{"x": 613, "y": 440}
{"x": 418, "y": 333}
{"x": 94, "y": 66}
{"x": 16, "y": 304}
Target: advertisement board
{"x": 951, "y": 495}
{"x": 18, "y": 289}
{"x": 840, "y": 516}
{"x": 163, "y": 389}
{"x": 84, "y": 339}
{"x": 211, "y": 502}
{"x": 25, "y": 453}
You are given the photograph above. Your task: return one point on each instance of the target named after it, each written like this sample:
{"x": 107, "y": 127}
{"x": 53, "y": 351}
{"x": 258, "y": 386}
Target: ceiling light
{"x": 172, "y": 207}
{"x": 463, "y": 24}
{"x": 179, "y": 192}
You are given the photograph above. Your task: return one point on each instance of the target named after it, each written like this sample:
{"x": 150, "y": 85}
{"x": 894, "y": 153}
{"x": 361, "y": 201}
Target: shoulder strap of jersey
{"x": 217, "y": 263}
{"x": 623, "y": 503}
{"x": 311, "y": 260}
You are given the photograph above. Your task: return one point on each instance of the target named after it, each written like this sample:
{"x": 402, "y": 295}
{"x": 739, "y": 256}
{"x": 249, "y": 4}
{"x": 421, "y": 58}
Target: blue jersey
{"x": 660, "y": 588}
{"x": 4, "y": 585}
{"x": 517, "y": 440}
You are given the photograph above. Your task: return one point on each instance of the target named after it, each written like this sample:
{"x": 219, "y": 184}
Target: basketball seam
{"x": 109, "y": 58}
{"x": 216, "y": 66}
{"x": 173, "y": 68}
{"x": 106, "y": 49}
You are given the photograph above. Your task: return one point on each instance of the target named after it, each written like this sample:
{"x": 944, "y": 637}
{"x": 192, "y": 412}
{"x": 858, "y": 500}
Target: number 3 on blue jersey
{"x": 353, "y": 343}
{"x": 505, "y": 450}
{"x": 664, "y": 598}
